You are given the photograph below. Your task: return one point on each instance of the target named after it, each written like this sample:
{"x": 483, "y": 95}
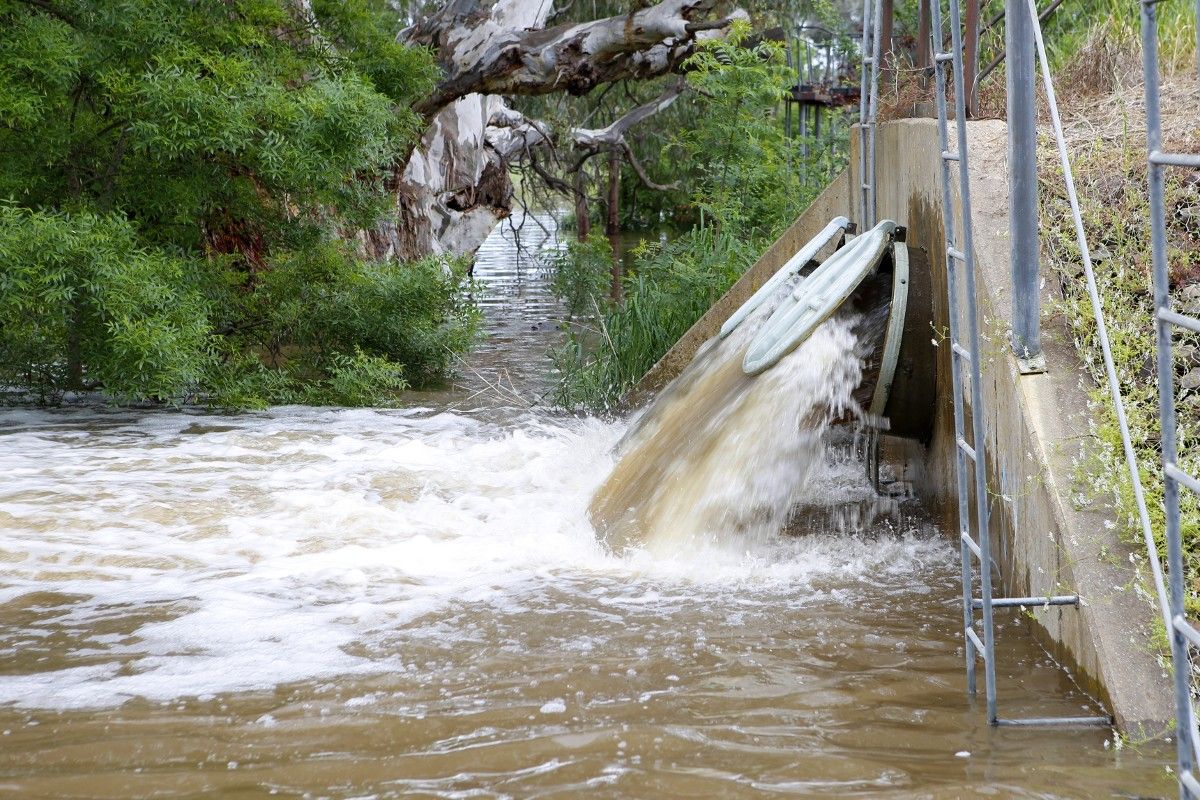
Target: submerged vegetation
{"x": 748, "y": 190}
{"x": 175, "y": 180}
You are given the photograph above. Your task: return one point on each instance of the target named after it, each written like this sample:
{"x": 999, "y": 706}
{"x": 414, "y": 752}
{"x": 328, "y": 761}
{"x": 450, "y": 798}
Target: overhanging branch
{"x": 614, "y": 133}
{"x": 573, "y": 58}
{"x": 641, "y": 173}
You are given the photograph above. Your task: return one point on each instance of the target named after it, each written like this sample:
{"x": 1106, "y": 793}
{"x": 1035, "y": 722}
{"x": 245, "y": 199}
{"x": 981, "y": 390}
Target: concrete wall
{"x": 1036, "y": 424}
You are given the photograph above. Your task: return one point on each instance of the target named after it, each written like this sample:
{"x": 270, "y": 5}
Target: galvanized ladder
{"x": 971, "y": 461}
{"x": 868, "y": 110}
{"x": 1183, "y": 633}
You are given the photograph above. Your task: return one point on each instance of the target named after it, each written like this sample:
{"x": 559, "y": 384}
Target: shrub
{"x": 76, "y": 290}
{"x": 180, "y": 174}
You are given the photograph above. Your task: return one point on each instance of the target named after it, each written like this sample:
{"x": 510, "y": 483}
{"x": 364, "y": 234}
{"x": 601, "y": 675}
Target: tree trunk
{"x": 454, "y": 186}
{"x": 583, "y": 219}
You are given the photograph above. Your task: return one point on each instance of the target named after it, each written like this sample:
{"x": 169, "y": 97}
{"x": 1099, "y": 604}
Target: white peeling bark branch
{"x": 614, "y": 134}
{"x": 487, "y": 58}
{"x": 454, "y": 186}
{"x": 641, "y": 173}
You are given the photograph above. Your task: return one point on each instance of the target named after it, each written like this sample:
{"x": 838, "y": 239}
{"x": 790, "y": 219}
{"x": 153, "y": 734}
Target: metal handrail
{"x": 1180, "y": 631}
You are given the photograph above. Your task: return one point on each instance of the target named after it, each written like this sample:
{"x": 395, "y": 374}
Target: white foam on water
{"x": 181, "y": 555}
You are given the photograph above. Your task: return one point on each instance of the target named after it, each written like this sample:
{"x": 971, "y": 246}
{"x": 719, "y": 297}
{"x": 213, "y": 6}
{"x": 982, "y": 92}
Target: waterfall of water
{"x": 720, "y": 458}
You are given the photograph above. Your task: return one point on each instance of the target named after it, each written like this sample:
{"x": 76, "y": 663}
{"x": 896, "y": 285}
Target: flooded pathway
{"x": 327, "y": 603}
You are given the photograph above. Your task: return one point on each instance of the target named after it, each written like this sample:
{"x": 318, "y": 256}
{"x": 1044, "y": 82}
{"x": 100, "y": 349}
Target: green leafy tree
{"x": 747, "y": 180}
{"x": 176, "y": 172}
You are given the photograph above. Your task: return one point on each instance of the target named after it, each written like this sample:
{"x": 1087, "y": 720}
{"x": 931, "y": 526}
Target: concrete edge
{"x": 1037, "y": 427}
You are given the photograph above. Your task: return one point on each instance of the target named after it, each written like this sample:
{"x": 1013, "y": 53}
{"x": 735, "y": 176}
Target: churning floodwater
{"x": 330, "y": 603}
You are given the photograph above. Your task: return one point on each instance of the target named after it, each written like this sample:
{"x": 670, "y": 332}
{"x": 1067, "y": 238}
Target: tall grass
{"x": 668, "y": 288}
{"x": 1075, "y": 27}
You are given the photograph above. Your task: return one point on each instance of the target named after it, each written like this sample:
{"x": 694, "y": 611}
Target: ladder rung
{"x": 1077, "y": 722}
{"x": 980, "y": 650}
{"x": 1189, "y": 780}
{"x": 1174, "y": 473}
{"x": 1182, "y": 320}
{"x": 956, "y": 254}
{"x": 970, "y": 543}
{"x": 1032, "y": 602}
{"x": 948, "y": 156}
{"x": 1183, "y": 626}
{"x": 966, "y": 448}
{"x": 941, "y": 58}
{"x": 1175, "y": 159}
{"x": 961, "y": 351}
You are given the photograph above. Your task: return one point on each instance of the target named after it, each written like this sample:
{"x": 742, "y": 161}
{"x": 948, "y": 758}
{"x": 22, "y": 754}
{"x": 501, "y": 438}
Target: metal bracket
{"x": 1034, "y": 365}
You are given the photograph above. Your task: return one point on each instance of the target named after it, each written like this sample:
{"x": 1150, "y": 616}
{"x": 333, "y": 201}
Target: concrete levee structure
{"x": 1044, "y": 543}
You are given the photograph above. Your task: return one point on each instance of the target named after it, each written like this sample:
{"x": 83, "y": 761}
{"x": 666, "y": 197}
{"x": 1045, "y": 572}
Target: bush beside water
{"x": 176, "y": 182}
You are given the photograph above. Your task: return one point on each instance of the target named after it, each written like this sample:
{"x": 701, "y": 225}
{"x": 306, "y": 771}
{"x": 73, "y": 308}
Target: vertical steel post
{"x": 971, "y": 57}
{"x": 873, "y": 107}
{"x": 863, "y": 110}
{"x": 804, "y": 144}
{"x": 805, "y": 69}
{"x": 923, "y": 41}
{"x": 787, "y": 101}
{"x": 886, "y": 28}
{"x": 1022, "y": 181}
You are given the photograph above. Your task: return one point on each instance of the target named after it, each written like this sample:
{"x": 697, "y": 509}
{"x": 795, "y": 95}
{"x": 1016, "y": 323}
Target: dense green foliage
{"x": 656, "y": 143}
{"x": 749, "y": 190}
{"x": 80, "y": 289}
{"x": 174, "y": 174}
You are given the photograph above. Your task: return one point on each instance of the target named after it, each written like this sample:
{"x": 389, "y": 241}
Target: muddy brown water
{"x": 329, "y": 603}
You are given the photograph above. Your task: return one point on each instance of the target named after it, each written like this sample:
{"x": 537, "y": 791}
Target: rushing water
{"x": 723, "y": 458}
{"x": 328, "y": 603}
